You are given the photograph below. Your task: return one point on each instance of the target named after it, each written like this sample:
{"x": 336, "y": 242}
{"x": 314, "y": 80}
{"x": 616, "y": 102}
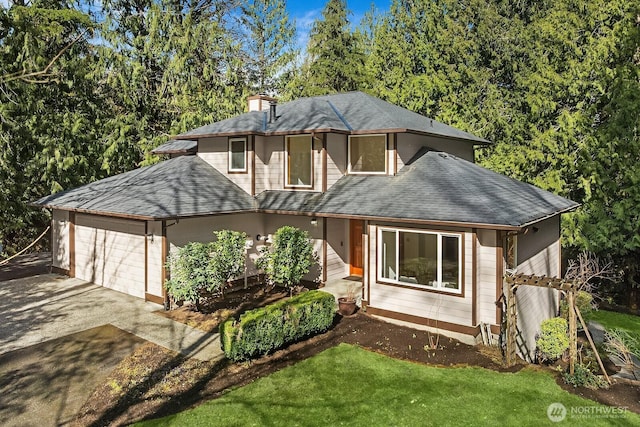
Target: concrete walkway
{"x": 44, "y": 307}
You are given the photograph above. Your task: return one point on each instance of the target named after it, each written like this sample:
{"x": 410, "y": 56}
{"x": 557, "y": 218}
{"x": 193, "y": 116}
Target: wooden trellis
{"x": 569, "y": 288}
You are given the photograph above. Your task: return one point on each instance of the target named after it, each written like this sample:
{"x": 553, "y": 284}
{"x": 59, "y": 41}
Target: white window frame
{"x": 231, "y": 141}
{"x": 386, "y": 155}
{"x": 286, "y": 162}
{"x": 438, "y": 285}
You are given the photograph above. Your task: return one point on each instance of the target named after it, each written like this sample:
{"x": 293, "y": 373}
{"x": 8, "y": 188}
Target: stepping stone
{"x": 597, "y": 331}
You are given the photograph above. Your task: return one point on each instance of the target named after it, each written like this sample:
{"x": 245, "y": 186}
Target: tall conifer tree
{"x": 268, "y": 51}
{"x": 335, "y": 59}
{"x": 49, "y": 111}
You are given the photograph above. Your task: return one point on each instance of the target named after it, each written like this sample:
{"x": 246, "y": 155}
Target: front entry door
{"x": 356, "y": 229}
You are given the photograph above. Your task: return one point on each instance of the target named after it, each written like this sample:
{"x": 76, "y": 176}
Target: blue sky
{"x": 307, "y": 11}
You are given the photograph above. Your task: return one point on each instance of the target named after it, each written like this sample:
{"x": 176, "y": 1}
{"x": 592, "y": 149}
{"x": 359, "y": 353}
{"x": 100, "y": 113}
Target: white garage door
{"x": 110, "y": 252}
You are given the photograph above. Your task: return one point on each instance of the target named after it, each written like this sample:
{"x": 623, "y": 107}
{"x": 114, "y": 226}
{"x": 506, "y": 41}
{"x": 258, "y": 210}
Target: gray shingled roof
{"x": 177, "y": 146}
{"x": 436, "y": 186}
{"x": 353, "y": 112}
{"x": 180, "y": 187}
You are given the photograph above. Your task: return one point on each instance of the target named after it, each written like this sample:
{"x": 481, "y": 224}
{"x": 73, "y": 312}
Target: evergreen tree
{"x": 268, "y": 52}
{"x": 424, "y": 57}
{"x": 49, "y": 111}
{"x": 609, "y": 222}
{"x": 335, "y": 60}
{"x": 169, "y": 66}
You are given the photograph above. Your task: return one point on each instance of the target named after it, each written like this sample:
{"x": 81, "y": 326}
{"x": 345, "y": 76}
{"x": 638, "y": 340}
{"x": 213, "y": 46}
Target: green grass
{"x": 346, "y": 385}
{"x": 612, "y": 320}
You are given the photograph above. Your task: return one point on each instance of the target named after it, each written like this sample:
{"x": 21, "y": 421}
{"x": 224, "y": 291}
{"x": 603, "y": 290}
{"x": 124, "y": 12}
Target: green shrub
{"x": 583, "y": 377}
{"x": 190, "y": 272}
{"x": 584, "y": 302}
{"x": 227, "y": 258}
{"x": 288, "y": 258}
{"x": 268, "y": 328}
{"x": 553, "y": 339}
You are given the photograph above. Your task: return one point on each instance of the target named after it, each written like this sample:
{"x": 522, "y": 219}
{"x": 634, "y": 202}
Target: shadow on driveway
{"x": 26, "y": 266}
{"x": 46, "y": 384}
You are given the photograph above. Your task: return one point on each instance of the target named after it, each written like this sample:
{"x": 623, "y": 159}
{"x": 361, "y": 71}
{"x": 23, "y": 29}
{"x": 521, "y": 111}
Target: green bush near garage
{"x": 269, "y": 328}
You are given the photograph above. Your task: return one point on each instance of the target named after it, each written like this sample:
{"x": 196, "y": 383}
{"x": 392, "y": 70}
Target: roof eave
{"x": 501, "y": 227}
{"x": 478, "y": 141}
{"x": 458, "y": 224}
{"x": 94, "y": 212}
{"x": 190, "y": 151}
{"x": 551, "y": 215}
{"x": 142, "y": 217}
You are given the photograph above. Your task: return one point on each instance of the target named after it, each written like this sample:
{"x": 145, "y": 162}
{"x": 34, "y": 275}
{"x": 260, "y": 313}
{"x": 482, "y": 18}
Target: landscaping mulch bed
{"x": 215, "y": 310}
{"x": 155, "y": 382}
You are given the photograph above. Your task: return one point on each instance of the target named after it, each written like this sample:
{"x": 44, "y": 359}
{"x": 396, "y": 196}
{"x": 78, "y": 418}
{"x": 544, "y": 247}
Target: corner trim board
{"x": 146, "y": 258}
{"x": 324, "y": 162}
{"x": 324, "y": 250}
{"x": 474, "y": 277}
{"x": 72, "y": 244}
{"x": 165, "y": 270}
{"x": 499, "y": 275}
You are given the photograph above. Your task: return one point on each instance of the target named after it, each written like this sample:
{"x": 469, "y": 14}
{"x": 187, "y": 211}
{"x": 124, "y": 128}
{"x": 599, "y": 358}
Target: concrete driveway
{"x": 47, "y": 384}
{"x": 60, "y": 338}
{"x": 41, "y": 308}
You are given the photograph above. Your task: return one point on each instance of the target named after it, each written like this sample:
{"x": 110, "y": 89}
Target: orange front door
{"x": 356, "y": 228}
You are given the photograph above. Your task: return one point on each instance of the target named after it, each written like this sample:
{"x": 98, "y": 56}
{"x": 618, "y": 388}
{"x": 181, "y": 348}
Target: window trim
{"x": 230, "y": 169}
{"x": 286, "y": 162}
{"x": 419, "y": 286}
{"x": 386, "y": 155}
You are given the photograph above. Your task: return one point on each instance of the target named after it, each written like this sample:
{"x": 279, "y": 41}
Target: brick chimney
{"x": 259, "y": 102}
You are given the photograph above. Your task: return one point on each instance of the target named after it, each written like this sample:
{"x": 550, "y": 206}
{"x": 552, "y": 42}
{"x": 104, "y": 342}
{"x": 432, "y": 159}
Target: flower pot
{"x": 346, "y": 307}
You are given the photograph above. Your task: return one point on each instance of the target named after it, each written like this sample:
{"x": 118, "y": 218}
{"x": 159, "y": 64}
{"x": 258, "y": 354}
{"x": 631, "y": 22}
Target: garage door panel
{"x": 110, "y": 252}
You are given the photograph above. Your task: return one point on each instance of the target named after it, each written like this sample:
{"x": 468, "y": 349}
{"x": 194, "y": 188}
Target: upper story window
{"x": 368, "y": 154}
{"x": 237, "y": 154}
{"x": 419, "y": 258}
{"x": 299, "y": 161}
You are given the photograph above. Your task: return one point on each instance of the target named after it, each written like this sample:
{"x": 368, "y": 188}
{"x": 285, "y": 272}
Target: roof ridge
{"x": 340, "y": 116}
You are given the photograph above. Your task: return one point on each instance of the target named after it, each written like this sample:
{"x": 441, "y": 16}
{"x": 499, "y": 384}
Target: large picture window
{"x": 368, "y": 154}
{"x": 420, "y": 258}
{"x": 237, "y": 155}
{"x": 299, "y": 160}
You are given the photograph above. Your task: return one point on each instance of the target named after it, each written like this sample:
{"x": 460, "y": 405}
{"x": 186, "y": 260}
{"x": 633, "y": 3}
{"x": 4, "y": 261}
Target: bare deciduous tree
{"x": 587, "y": 269}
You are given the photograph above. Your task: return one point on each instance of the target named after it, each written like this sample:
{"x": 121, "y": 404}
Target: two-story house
{"x": 390, "y": 197}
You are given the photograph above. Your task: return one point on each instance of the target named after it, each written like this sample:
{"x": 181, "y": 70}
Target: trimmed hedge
{"x": 268, "y": 328}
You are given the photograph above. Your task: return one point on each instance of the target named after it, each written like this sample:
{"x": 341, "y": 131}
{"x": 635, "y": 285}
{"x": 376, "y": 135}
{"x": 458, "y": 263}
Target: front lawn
{"x": 346, "y": 385}
{"x": 612, "y": 320}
